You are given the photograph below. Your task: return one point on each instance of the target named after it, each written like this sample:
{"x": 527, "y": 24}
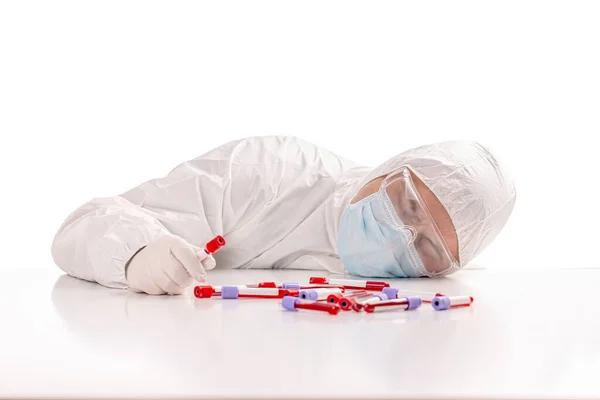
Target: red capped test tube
{"x": 235, "y": 292}
{"x": 207, "y": 291}
{"x": 446, "y": 302}
{"x": 335, "y": 298}
{"x": 407, "y": 303}
{"x": 214, "y": 245}
{"x": 346, "y": 302}
{"x": 272, "y": 285}
{"x": 350, "y": 283}
{"x": 294, "y": 304}
{"x": 295, "y": 286}
{"x": 375, "y": 298}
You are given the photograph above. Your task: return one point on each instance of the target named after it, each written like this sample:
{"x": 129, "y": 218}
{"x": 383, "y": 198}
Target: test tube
{"x": 407, "y": 303}
{"x": 445, "y": 302}
{"x": 321, "y": 286}
{"x": 346, "y": 302}
{"x": 293, "y": 285}
{"x": 235, "y": 292}
{"x": 290, "y": 286}
{"x": 294, "y": 304}
{"x": 350, "y": 283}
{"x": 207, "y": 291}
{"x": 335, "y": 298}
{"x": 375, "y": 298}
{"x": 317, "y": 294}
{"x": 267, "y": 285}
{"x": 393, "y": 293}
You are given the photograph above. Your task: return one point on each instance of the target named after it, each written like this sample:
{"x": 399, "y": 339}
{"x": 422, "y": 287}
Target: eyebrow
{"x": 406, "y": 204}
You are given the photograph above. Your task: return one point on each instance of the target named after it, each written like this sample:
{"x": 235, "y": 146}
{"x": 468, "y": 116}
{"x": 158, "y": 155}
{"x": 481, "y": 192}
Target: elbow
{"x": 66, "y": 244}
{"x": 62, "y": 253}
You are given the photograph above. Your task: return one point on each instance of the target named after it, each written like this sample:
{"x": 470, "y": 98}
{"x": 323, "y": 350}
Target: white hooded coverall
{"x": 277, "y": 201}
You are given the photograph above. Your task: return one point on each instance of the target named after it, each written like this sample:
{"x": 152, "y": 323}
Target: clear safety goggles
{"x": 414, "y": 217}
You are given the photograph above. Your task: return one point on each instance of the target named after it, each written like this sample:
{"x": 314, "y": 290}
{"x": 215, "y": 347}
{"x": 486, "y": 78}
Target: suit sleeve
{"x": 98, "y": 239}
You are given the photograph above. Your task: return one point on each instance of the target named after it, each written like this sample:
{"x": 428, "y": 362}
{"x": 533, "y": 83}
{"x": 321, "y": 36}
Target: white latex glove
{"x": 168, "y": 265}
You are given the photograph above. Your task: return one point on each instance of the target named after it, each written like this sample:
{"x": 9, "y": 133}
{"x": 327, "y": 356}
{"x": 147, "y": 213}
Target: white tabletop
{"x": 530, "y": 333}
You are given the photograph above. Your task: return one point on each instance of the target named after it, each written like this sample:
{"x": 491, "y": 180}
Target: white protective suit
{"x": 277, "y": 201}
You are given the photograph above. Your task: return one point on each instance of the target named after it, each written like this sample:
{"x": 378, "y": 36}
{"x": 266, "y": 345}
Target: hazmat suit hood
{"x": 468, "y": 180}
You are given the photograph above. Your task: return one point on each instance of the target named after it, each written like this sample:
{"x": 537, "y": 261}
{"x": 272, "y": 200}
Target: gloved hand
{"x": 168, "y": 265}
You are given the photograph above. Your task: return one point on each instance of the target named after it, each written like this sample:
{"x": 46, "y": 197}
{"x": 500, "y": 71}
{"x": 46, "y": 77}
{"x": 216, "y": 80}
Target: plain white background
{"x": 97, "y": 97}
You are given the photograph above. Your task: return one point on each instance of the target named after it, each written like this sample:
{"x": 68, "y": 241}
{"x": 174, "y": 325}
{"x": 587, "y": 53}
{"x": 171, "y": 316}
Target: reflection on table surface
{"x": 526, "y": 335}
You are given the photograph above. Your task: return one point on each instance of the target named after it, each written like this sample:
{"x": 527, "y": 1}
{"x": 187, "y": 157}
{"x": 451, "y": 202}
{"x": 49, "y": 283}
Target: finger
{"x": 162, "y": 280}
{"x": 198, "y": 249}
{"x": 179, "y": 275}
{"x": 153, "y": 289}
{"x": 176, "y": 271}
{"x": 149, "y": 287}
{"x": 184, "y": 253}
{"x": 144, "y": 282}
{"x": 208, "y": 261}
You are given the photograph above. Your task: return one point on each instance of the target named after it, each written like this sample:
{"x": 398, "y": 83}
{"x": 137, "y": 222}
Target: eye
{"x": 416, "y": 213}
{"x": 413, "y": 206}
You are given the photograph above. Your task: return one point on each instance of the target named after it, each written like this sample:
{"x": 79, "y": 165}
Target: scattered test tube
{"x": 334, "y": 291}
{"x": 267, "y": 285}
{"x": 350, "y": 283}
{"x": 293, "y": 285}
{"x": 335, "y": 298}
{"x": 346, "y": 302}
{"x": 235, "y": 292}
{"x": 393, "y": 293}
{"x": 229, "y": 292}
{"x": 375, "y": 298}
{"x": 318, "y": 294}
{"x": 294, "y": 304}
{"x": 407, "y": 303}
{"x": 207, "y": 291}
{"x": 445, "y": 302}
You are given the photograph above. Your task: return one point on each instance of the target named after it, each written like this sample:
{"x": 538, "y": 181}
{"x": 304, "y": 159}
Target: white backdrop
{"x": 96, "y": 97}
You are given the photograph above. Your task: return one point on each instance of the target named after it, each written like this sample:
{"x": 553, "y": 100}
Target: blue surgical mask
{"x": 373, "y": 242}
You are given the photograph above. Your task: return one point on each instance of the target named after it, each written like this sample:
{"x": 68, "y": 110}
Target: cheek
{"x": 443, "y": 222}
{"x": 452, "y": 242}
{"x": 433, "y": 263}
